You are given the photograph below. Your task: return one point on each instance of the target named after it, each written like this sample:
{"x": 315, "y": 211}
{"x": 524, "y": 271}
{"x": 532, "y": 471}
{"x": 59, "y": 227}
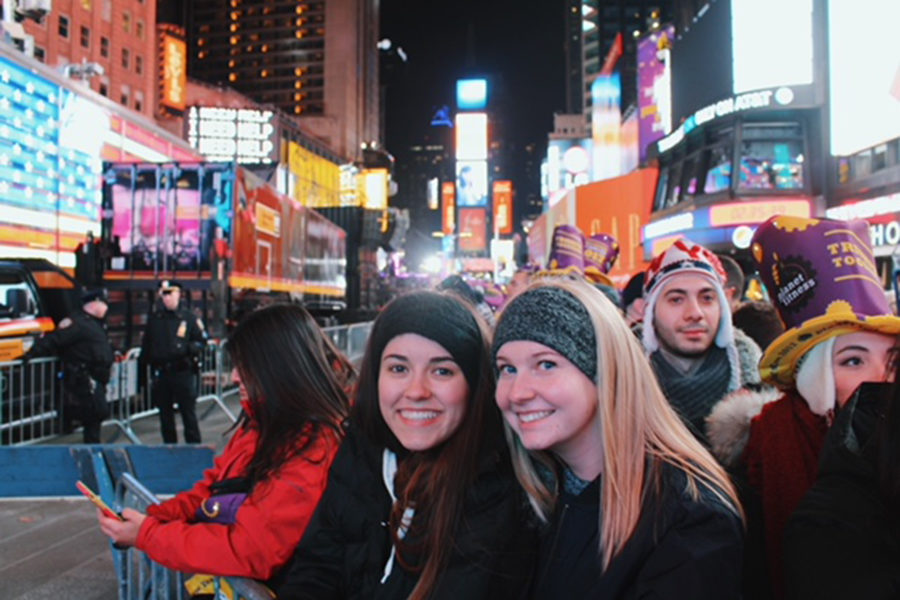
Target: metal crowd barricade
{"x": 31, "y": 401}
{"x": 350, "y": 339}
{"x": 215, "y": 378}
{"x": 140, "y": 578}
{"x": 130, "y": 402}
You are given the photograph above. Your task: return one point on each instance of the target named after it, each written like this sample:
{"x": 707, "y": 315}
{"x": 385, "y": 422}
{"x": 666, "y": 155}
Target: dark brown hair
{"x": 293, "y": 392}
{"x": 434, "y": 481}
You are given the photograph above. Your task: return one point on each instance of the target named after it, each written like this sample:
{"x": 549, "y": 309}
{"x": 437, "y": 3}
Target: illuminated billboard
{"x": 472, "y": 229}
{"x": 245, "y": 135}
{"x": 320, "y": 183}
{"x": 503, "y": 207}
{"x": 568, "y": 163}
{"x": 654, "y": 87}
{"x": 173, "y": 67}
{"x": 772, "y": 42}
{"x": 375, "y": 188}
{"x": 606, "y": 119}
{"x": 471, "y": 94}
{"x": 448, "y": 208}
{"x": 471, "y": 183}
{"x": 471, "y": 136}
{"x": 864, "y": 79}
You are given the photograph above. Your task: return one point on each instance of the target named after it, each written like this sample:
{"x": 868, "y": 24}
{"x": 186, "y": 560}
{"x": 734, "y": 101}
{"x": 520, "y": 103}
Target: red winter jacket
{"x": 268, "y": 525}
{"x": 782, "y": 458}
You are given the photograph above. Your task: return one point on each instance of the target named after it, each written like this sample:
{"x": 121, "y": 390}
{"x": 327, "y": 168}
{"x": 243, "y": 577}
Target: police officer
{"x": 80, "y": 342}
{"x": 172, "y": 344}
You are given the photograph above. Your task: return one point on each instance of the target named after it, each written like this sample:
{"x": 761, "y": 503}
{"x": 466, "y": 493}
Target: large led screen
{"x": 772, "y": 43}
{"x": 471, "y": 94}
{"x": 471, "y": 183}
{"x": 471, "y": 136}
{"x": 654, "y": 87}
{"x": 864, "y": 74}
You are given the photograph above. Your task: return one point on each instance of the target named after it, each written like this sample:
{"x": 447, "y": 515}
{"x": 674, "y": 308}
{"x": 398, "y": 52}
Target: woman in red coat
{"x": 840, "y": 333}
{"x": 249, "y": 511}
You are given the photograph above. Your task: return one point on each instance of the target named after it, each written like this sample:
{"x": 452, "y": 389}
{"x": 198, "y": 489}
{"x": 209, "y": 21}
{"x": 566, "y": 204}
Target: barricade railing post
{"x": 162, "y": 583}
{"x": 30, "y": 408}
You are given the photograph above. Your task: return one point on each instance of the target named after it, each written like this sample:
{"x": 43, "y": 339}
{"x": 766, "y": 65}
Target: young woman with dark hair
{"x": 247, "y": 514}
{"x": 843, "y": 541}
{"x": 421, "y": 500}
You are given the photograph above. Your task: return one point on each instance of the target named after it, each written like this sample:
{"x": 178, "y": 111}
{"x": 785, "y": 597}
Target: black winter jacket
{"x": 681, "y": 548}
{"x": 843, "y": 541}
{"x": 346, "y": 546}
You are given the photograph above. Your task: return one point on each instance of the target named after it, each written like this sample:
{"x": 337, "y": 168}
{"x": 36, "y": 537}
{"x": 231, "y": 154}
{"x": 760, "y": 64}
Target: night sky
{"x": 521, "y": 42}
{"x": 517, "y": 45}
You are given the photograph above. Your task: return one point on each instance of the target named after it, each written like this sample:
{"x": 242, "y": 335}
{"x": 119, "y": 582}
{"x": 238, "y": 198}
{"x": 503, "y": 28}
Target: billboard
{"x": 654, "y": 87}
{"x": 503, "y": 207}
{"x": 471, "y": 94}
{"x": 448, "y": 208}
{"x": 864, "y": 81}
{"x": 620, "y": 207}
{"x": 471, "y": 136}
{"x": 606, "y": 119}
{"x": 53, "y": 140}
{"x": 772, "y": 43}
{"x": 173, "y": 67}
{"x": 244, "y": 135}
{"x": 318, "y": 182}
{"x": 471, "y": 183}
{"x": 472, "y": 229}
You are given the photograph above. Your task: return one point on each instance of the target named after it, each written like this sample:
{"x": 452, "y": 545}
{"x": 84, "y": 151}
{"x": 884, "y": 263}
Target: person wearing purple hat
{"x": 698, "y": 356}
{"x": 840, "y": 332}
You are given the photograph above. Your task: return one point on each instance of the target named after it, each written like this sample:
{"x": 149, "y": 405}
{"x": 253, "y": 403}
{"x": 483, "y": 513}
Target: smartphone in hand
{"x": 98, "y": 501}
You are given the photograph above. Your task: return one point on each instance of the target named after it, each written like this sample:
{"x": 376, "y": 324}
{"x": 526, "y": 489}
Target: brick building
{"x": 118, "y": 35}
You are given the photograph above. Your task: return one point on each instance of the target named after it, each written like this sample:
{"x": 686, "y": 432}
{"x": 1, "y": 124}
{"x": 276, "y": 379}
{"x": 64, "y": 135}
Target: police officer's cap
{"x": 169, "y": 284}
{"x": 91, "y": 294}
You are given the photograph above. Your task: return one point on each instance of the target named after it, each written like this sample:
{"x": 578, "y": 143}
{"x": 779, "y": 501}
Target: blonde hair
{"x": 638, "y": 428}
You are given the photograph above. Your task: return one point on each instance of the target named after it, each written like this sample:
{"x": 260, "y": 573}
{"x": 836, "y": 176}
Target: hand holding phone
{"x": 98, "y": 501}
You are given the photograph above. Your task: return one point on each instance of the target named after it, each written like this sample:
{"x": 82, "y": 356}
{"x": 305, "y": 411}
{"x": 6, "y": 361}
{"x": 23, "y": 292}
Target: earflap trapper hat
{"x": 822, "y": 279}
{"x": 682, "y": 257}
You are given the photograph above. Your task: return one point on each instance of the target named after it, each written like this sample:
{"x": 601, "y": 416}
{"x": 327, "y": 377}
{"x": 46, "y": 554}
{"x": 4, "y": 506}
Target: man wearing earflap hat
{"x": 698, "y": 356}
{"x": 173, "y": 342}
{"x": 81, "y": 343}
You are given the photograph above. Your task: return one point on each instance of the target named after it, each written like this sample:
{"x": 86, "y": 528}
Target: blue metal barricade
{"x": 140, "y": 578}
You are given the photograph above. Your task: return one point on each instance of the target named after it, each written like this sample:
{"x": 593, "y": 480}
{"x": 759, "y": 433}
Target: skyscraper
{"x": 591, "y": 28}
{"x": 314, "y": 59}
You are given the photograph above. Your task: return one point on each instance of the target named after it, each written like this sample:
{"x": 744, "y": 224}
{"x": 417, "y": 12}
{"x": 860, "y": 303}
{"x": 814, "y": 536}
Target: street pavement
{"x": 52, "y": 548}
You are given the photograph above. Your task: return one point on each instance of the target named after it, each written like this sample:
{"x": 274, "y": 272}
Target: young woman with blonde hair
{"x": 632, "y": 502}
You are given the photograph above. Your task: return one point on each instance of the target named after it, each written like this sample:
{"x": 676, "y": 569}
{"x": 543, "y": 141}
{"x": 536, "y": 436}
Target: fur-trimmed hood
{"x": 728, "y": 423}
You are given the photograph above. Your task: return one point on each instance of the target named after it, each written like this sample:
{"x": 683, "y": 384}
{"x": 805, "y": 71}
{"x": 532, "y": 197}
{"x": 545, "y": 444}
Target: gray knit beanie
{"x": 555, "y": 318}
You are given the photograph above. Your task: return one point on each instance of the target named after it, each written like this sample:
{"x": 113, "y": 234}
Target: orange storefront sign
{"x": 173, "y": 62}
{"x": 619, "y": 207}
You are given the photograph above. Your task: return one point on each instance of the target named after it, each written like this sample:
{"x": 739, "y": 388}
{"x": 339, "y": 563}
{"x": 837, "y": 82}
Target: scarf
{"x": 693, "y": 395}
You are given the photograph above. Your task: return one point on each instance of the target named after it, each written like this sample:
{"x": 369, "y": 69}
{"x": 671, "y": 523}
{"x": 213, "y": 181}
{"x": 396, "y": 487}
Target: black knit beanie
{"x": 555, "y": 318}
{"x": 439, "y": 317}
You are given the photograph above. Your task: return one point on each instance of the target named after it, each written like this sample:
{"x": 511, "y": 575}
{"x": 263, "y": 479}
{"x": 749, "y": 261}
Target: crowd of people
{"x": 665, "y": 439}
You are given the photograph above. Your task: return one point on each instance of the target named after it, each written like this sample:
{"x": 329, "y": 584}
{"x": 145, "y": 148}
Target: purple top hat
{"x": 566, "y": 250}
{"x": 600, "y": 253}
{"x": 822, "y": 278}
